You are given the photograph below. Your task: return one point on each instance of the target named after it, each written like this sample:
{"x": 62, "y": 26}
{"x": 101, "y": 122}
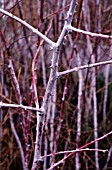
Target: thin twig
{"x": 62, "y": 160}
{"x": 73, "y": 151}
{"x": 17, "y": 138}
{"x": 19, "y": 106}
{"x": 75, "y": 69}
{"x": 89, "y": 33}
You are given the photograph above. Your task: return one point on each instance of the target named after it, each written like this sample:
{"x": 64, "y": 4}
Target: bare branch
{"x": 61, "y": 161}
{"x": 89, "y": 33}
{"x": 50, "y": 85}
{"x": 108, "y": 158}
{"x": 51, "y": 43}
{"x": 17, "y": 139}
{"x": 75, "y": 69}
{"x": 18, "y": 106}
{"x": 73, "y": 151}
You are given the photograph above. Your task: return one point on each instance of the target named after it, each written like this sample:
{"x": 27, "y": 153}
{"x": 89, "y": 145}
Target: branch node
{"x": 41, "y": 112}
{"x": 40, "y": 159}
{"x": 9, "y": 66}
{"x": 21, "y": 106}
{"x": 68, "y": 29}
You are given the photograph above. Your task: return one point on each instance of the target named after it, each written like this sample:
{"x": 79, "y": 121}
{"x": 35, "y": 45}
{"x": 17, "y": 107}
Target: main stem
{"x": 40, "y": 118}
{"x": 52, "y": 79}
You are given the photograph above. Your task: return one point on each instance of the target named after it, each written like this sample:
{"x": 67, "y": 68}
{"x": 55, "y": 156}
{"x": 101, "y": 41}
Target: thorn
{"x": 33, "y": 30}
{"x": 65, "y": 37}
{"x": 77, "y": 3}
{"x": 9, "y": 66}
{"x": 51, "y": 66}
{"x": 57, "y": 64}
{"x": 50, "y": 48}
{"x": 66, "y": 16}
{"x": 40, "y": 159}
{"x": 70, "y": 13}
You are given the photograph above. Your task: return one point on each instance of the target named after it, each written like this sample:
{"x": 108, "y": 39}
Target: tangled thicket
{"x": 83, "y": 93}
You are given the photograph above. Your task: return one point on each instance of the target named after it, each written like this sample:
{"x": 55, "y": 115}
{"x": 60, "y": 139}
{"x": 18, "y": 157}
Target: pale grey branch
{"x": 18, "y": 106}
{"x": 51, "y": 43}
{"x": 75, "y": 69}
{"x": 89, "y": 33}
